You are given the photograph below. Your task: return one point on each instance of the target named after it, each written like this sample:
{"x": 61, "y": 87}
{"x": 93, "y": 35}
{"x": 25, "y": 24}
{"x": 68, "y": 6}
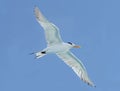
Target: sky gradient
{"x": 92, "y": 24}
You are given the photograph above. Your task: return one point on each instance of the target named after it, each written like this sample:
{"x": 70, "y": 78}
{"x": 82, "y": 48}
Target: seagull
{"x": 56, "y": 45}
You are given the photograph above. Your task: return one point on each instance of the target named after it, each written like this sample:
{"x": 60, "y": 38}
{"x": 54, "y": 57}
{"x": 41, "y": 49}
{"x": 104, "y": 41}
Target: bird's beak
{"x": 76, "y": 46}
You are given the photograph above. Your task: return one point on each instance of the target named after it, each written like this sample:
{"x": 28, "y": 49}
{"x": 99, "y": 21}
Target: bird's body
{"x": 61, "y": 49}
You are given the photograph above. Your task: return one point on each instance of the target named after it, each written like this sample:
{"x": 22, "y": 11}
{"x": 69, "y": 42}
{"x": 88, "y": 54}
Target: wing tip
{"x": 35, "y": 8}
{"x": 38, "y": 14}
{"x": 91, "y": 84}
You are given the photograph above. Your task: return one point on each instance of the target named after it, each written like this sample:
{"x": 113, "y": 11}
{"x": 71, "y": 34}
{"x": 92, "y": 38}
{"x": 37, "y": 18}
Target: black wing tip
{"x": 92, "y": 85}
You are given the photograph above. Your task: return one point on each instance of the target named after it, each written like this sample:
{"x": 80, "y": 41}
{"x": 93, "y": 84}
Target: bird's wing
{"x": 76, "y": 65}
{"x": 51, "y": 31}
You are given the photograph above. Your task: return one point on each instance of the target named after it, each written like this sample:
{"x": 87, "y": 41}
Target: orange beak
{"x": 76, "y": 46}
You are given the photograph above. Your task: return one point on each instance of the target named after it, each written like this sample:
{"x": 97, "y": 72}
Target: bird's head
{"x": 73, "y": 45}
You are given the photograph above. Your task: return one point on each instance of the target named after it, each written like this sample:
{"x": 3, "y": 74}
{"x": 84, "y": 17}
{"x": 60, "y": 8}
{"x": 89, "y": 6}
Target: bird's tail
{"x": 39, "y": 54}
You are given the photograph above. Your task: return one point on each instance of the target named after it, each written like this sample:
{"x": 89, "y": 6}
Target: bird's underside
{"x": 54, "y": 43}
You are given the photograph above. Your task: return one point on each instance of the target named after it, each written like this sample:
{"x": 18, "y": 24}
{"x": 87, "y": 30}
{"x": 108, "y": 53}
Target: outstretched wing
{"x": 76, "y": 65}
{"x": 51, "y": 31}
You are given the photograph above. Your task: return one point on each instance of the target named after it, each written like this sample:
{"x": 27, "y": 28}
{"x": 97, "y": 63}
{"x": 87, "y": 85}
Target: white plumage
{"x": 61, "y": 49}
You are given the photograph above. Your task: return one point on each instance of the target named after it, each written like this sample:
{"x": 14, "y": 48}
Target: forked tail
{"x": 39, "y": 54}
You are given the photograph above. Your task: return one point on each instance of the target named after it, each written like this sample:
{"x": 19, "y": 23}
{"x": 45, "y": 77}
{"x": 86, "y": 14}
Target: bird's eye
{"x": 69, "y": 43}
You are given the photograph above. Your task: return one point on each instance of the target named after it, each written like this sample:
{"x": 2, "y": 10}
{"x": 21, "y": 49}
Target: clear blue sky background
{"x": 93, "y": 24}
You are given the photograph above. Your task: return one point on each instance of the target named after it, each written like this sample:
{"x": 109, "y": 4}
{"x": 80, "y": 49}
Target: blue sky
{"x": 93, "y": 24}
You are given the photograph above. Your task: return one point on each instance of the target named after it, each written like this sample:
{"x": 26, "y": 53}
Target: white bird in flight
{"x": 60, "y": 48}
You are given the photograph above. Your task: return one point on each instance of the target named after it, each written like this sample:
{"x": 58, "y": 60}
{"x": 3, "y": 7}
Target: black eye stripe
{"x": 69, "y": 43}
